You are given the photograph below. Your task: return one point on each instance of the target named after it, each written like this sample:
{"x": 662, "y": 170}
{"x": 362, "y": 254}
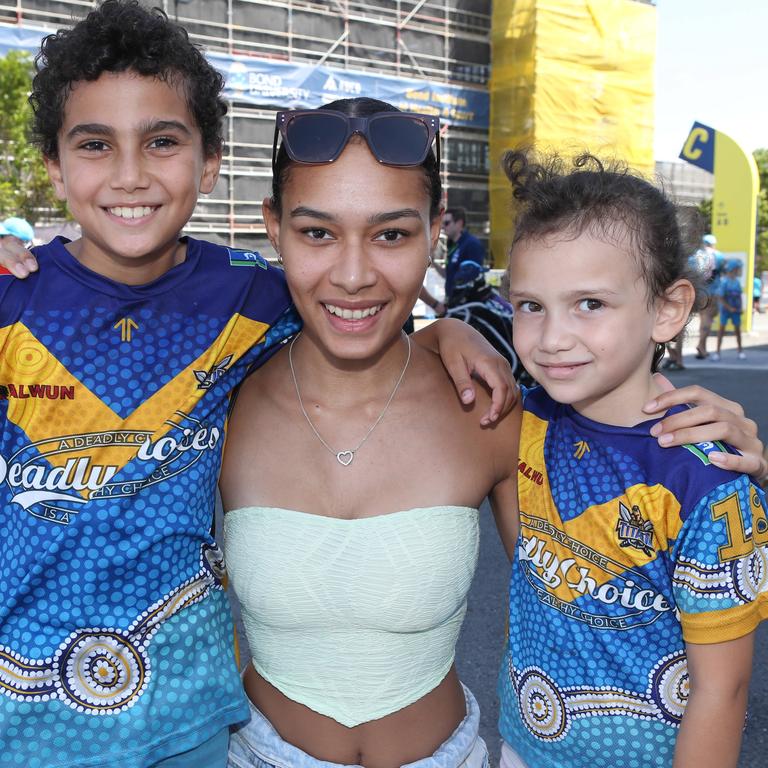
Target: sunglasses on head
{"x": 320, "y": 135}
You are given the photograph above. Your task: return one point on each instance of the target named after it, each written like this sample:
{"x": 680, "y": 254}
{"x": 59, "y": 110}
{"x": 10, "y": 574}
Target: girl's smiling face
{"x": 355, "y": 237}
{"x": 584, "y": 326}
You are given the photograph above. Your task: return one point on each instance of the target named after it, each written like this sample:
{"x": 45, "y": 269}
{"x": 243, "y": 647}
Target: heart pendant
{"x": 345, "y": 457}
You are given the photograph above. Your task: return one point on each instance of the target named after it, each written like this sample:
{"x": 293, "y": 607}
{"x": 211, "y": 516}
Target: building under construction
{"x": 424, "y": 55}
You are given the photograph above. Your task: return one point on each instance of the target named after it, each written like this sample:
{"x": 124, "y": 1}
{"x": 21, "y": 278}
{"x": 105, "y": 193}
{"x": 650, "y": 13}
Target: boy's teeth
{"x": 352, "y": 314}
{"x": 131, "y": 213}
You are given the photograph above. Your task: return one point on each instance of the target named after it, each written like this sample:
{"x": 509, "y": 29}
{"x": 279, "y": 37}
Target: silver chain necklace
{"x": 346, "y": 457}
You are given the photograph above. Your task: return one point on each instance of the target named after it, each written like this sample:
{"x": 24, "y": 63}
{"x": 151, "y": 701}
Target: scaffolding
{"x": 437, "y": 41}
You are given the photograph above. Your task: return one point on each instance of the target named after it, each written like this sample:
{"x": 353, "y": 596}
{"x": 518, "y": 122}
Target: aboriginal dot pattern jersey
{"x": 626, "y": 551}
{"x": 116, "y": 642}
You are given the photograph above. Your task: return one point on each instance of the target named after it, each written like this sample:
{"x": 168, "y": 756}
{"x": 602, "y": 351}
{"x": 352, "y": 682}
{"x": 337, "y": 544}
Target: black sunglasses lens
{"x": 399, "y": 140}
{"x": 315, "y": 138}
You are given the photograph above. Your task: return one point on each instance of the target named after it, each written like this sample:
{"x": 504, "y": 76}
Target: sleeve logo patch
{"x": 702, "y": 450}
{"x": 246, "y": 259}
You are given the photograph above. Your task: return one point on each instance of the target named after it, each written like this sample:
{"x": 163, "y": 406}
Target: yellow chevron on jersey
{"x": 585, "y": 548}
{"x": 85, "y": 424}
{"x": 182, "y": 393}
{"x": 25, "y": 361}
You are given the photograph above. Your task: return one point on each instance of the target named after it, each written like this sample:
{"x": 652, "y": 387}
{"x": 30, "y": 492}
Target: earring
{"x": 279, "y": 258}
{"x": 430, "y": 262}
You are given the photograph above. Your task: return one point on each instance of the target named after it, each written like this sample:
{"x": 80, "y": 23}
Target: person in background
{"x": 730, "y": 301}
{"x": 709, "y": 264}
{"x": 757, "y": 293}
{"x": 18, "y": 229}
{"x": 462, "y": 246}
{"x": 674, "y": 348}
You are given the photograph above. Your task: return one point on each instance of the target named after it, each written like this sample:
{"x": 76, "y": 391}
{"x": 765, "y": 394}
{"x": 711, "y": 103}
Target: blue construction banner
{"x": 18, "y": 38}
{"x": 288, "y": 85}
{"x": 305, "y": 86}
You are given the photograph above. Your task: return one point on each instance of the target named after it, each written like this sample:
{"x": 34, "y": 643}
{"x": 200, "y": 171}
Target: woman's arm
{"x": 466, "y": 354}
{"x": 503, "y": 496}
{"x": 16, "y": 258}
{"x": 710, "y": 734}
{"x": 712, "y": 418}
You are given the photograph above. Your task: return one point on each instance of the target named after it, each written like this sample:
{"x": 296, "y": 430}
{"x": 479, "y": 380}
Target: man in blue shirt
{"x": 461, "y": 247}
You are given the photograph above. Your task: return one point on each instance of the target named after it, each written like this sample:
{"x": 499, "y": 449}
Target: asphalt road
{"x": 480, "y": 645}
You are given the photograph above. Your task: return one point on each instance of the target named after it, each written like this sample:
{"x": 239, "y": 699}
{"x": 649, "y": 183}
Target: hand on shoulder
{"x": 16, "y": 259}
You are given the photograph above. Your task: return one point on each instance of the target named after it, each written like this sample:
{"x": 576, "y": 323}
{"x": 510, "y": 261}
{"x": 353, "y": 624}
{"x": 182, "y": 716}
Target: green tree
{"x": 761, "y": 251}
{"x": 24, "y": 187}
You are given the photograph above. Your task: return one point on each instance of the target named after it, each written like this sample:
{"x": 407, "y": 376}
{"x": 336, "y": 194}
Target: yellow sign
{"x": 734, "y": 200}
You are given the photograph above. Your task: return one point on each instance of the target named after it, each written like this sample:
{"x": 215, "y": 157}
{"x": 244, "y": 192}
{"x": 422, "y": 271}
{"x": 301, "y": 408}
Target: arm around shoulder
{"x": 466, "y": 354}
{"x": 16, "y": 259}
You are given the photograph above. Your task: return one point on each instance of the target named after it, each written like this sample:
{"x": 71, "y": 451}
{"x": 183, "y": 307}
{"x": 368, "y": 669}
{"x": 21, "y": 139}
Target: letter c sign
{"x": 690, "y": 150}
{"x": 699, "y": 147}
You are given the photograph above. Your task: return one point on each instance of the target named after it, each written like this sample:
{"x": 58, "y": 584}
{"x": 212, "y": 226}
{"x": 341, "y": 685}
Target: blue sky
{"x": 711, "y": 66}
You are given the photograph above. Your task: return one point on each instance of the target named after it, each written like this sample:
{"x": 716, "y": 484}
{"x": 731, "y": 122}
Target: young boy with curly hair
{"x": 117, "y": 359}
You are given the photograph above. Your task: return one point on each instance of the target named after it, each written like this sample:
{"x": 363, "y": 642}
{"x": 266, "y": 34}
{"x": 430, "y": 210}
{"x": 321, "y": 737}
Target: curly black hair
{"x": 121, "y": 36}
{"x": 609, "y": 200}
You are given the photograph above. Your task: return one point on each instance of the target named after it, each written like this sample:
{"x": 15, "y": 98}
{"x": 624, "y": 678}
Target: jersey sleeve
{"x": 720, "y": 564}
{"x": 286, "y": 326}
{"x": 11, "y": 299}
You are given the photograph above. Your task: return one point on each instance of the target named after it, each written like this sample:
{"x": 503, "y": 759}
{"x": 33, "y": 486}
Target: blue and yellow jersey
{"x": 115, "y": 633}
{"x": 626, "y": 552}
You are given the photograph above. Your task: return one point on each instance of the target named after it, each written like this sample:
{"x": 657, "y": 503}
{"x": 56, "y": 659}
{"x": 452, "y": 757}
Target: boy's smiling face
{"x": 130, "y": 166}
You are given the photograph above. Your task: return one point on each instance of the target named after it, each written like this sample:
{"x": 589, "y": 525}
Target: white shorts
{"x": 510, "y": 758}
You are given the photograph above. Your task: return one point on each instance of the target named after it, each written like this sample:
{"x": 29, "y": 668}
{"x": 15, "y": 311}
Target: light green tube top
{"x": 355, "y": 619}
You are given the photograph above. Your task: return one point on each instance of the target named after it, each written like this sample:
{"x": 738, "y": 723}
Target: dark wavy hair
{"x": 122, "y": 36}
{"x": 609, "y": 201}
{"x": 360, "y": 107}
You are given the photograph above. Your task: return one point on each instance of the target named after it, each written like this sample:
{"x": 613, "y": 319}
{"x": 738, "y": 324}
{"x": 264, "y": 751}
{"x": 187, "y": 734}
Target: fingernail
{"x": 651, "y": 406}
{"x": 466, "y": 395}
{"x": 665, "y": 439}
{"x": 656, "y": 430}
{"x": 716, "y": 456}
{"x": 30, "y": 264}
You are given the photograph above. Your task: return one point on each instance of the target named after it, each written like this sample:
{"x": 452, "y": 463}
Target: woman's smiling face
{"x": 355, "y": 237}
